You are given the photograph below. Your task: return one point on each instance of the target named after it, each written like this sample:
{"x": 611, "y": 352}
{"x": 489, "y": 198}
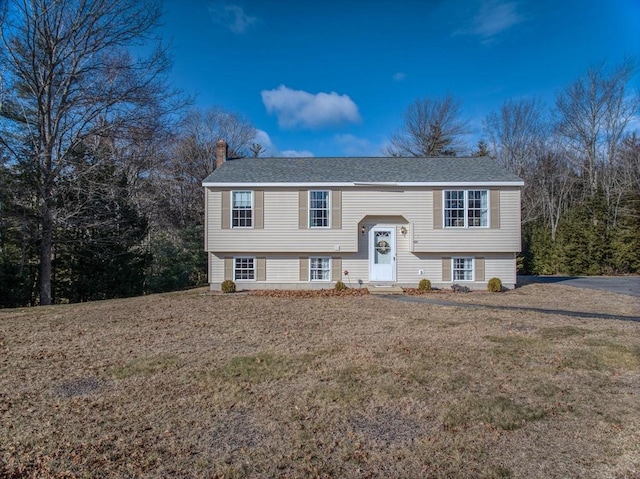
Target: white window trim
{"x": 328, "y": 209}
{"x": 255, "y": 268}
{"x": 466, "y": 209}
{"x": 253, "y": 209}
{"x": 473, "y": 269}
{"x": 328, "y": 280}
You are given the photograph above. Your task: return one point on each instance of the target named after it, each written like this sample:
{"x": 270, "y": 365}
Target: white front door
{"x": 382, "y": 253}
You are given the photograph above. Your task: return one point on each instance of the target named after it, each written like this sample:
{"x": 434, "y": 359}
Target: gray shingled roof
{"x": 360, "y": 170}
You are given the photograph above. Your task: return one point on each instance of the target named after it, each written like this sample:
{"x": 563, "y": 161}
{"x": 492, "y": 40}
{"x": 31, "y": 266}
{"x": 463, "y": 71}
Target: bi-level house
{"x": 303, "y": 223}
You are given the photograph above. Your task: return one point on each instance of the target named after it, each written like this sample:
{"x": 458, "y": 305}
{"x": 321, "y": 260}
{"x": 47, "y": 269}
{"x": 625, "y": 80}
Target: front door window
{"x": 383, "y": 247}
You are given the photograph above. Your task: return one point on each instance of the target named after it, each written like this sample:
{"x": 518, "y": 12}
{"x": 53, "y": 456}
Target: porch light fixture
{"x": 403, "y": 230}
{"x": 363, "y": 230}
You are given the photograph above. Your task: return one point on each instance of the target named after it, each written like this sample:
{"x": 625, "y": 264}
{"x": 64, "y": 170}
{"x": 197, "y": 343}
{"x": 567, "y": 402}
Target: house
{"x": 303, "y": 223}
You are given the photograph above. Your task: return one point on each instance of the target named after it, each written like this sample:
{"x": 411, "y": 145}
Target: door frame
{"x": 371, "y": 251}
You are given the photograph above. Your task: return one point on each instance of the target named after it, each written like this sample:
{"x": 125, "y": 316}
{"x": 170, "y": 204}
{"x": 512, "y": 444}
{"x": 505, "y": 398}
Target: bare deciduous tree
{"x": 592, "y": 115}
{"x": 192, "y": 158}
{"x": 431, "y": 127}
{"x": 71, "y": 77}
{"x": 516, "y": 133}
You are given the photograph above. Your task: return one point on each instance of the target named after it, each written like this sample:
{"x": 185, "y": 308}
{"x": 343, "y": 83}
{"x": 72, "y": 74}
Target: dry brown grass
{"x": 195, "y": 385}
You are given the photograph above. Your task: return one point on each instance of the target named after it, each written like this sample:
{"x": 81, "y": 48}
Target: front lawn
{"x": 198, "y": 385}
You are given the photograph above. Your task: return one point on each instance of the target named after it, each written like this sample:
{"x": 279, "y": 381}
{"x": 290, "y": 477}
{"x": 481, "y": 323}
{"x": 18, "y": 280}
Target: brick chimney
{"x": 221, "y": 152}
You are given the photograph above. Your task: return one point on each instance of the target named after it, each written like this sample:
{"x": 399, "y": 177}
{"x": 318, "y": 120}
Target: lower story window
{"x": 244, "y": 268}
{"x": 463, "y": 269}
{"x": 320, "y": 269}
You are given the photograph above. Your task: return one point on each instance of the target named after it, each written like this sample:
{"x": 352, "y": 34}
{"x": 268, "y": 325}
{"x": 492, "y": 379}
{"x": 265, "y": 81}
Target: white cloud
{"x": 263, "y": 138}
{"x": 399, "y": 76}
{"x": 270, "y": 149}
{"x": 493, "y": 18}
{"x": 231, "y": 16}
{"x": 297, "y": 154}
{"x": 298, "y": 108}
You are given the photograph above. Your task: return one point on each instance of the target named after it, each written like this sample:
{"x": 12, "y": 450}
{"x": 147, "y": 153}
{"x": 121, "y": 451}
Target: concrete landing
{"x": 384, "y": 289}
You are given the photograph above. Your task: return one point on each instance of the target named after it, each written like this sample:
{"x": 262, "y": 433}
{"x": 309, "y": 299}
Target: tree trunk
{"x": 46, "y": 241}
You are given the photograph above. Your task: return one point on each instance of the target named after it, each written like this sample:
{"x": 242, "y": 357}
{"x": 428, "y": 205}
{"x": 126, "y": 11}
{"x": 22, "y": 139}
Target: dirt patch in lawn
{"x": 323, "y": 385}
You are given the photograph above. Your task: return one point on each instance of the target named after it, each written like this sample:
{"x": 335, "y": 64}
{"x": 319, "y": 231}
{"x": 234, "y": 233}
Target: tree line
{"x": 579, "y": 158}
{"x": 101, "y": 161}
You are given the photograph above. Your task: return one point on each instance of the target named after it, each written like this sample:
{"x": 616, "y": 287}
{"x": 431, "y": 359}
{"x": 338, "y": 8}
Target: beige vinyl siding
{"x": 228, "y": 269}
{"x": 458, "y": 240}
{"x": 261, "y": 272}
{"x": 501, "y": 266}
{"x": 361, "y": 206}
{"x": 206, "y": 221}
{"x": 292, "y": 270}
{"x": 478, "y": 265}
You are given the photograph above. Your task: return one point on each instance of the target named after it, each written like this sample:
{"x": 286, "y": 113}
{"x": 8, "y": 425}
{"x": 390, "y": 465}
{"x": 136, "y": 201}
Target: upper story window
{"x": 466, "y": 208}
{"x": 319, "y": 209}
{"x": 242, "y": 209}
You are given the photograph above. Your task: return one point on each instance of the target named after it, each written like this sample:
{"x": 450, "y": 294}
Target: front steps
{"x": 384, "y": 289}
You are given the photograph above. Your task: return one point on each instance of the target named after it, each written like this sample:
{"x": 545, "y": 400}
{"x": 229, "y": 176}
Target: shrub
{"x": 424, "y": 285}
{"x": 340, "y": 286}
{"x": 460, "y": 289}
{"x": 228, "y": 286}
{"x": 494, "y": 285}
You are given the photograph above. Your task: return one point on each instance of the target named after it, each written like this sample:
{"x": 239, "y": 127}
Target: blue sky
{"x": 333, "y": 78}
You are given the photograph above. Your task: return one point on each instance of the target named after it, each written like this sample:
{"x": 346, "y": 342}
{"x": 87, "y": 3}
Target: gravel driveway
{"x": 617, "y": 284}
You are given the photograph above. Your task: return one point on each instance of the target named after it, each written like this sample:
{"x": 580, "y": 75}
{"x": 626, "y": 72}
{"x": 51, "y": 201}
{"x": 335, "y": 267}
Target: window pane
{"x": 241, "y": 211}
{"x": 477, "y": 209}
{"x": 454, "y": 208}
{"x": 463, "y": 269}
{"x": 244, "y": 269}
{"x": 318, "y": 209}
{"x": 320, "y": 269}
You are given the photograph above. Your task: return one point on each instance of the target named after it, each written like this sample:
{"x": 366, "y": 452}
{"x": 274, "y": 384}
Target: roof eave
{"x": 360, "y": 184}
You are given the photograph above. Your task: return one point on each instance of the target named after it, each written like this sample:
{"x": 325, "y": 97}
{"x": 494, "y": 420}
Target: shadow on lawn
{"x": 562, "y": 312}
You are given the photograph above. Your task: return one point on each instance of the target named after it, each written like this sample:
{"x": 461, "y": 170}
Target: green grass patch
{"x": 145, "y": 366}
{"x": 264, "y": 367}
{"x": 562, "y": 332}
{"x": 499, "y": 411}
{"x": 356, "y": 384}
{"x": 602, "y": 354}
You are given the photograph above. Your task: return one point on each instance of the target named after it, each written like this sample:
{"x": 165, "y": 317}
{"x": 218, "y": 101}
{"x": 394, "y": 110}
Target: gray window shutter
{"x": 304, "y": 269}
{"x": 336, "y": 269}
{"x": 226, "y": 209}
{"x": 258, "y": 209}
{"x": 446, "y": 269}
{"x": 336, "y": 209}
{"x": 437, "y": 209}
{"x": 261, "y": 269}
{"x": 303, "y": 209}
{"x": 228, "y": 268}
{"x": 494, "y": 208}
{"x": 479, "y": 269}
